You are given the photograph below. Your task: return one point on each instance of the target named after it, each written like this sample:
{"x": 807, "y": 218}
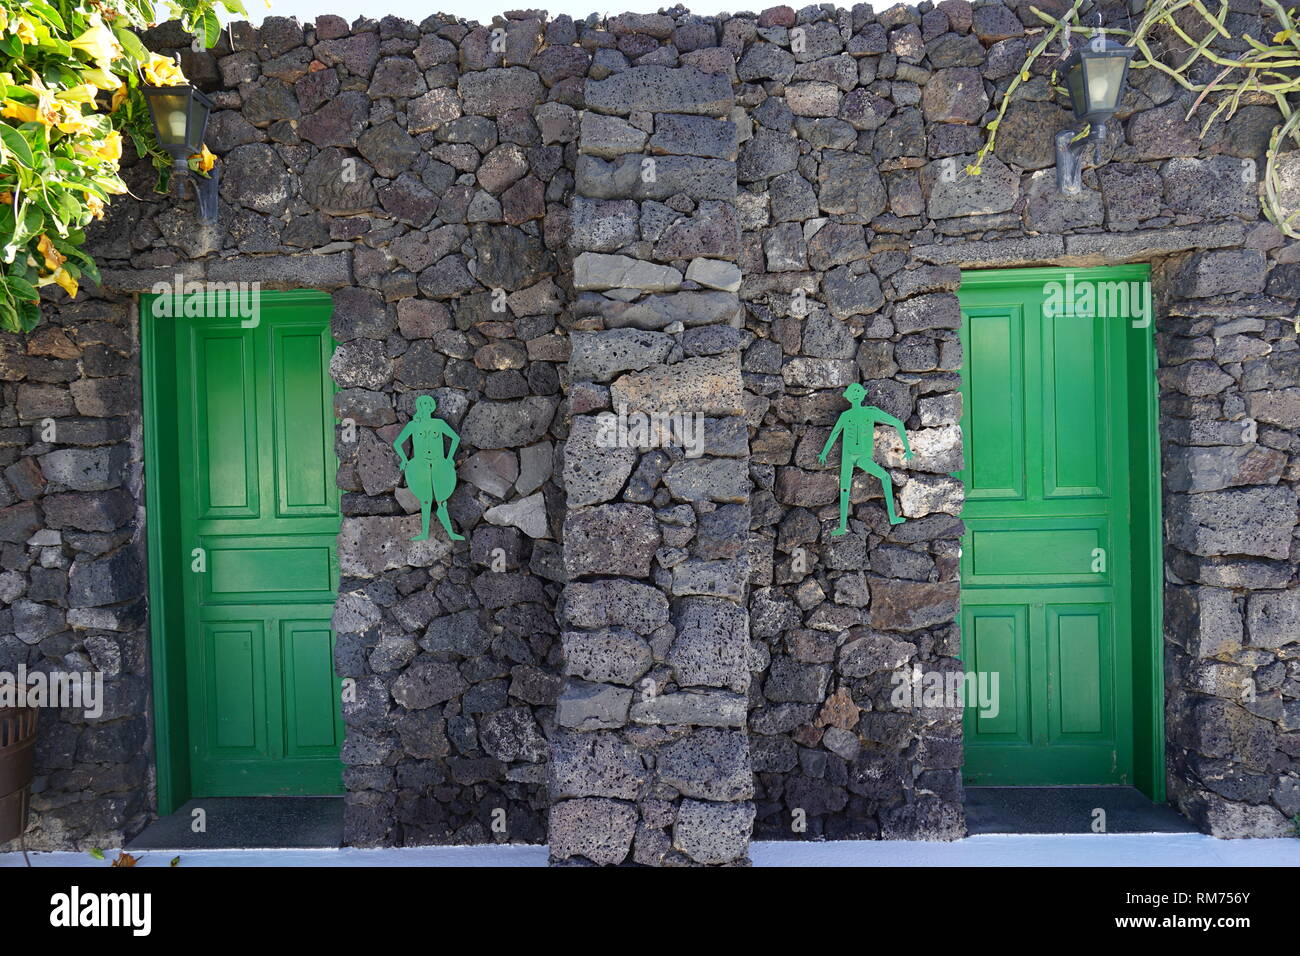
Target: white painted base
{"x": 1141, "y": 849}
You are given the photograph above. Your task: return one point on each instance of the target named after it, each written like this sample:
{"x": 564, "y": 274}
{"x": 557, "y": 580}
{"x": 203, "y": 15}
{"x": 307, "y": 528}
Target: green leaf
{"x": 33, "y": 220}
{"x": 9, "y": 318}
{"x": 74, "y": 253}
{"x": 131, "y": 44}
{"x": 97, "y": 853}
{"x": 16, "y": 144}
{"x": 63, "y": 75}
{"x": 46, "y": 13}
{"x": 210, "y": 27}
{"x": 22, "y": 289}
{"x": 70, "y": 209}
{"x": 7, "y": 232}
{"x": 38, "y": 138}
{"x": 29, "y": 315}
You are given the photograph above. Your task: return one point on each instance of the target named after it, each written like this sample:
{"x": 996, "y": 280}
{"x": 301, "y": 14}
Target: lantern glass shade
{"x": 180, "y": 118}
{"x": 1095, "y": 77}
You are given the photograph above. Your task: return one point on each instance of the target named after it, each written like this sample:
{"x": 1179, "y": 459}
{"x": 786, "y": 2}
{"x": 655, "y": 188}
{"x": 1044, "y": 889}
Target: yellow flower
{"x": 71, "y": 101}
{"x": 110, "y": 150}
{"x": 95, "y": 205}
{"x": 75, "y": 124}
{"x": 53, "y": 258}
{"x": 43, "y": 112}
{"x": 119, "y": 97}
{"x": 4, "y": 19}
{"x": 101, "y": 46}
{"x": 26, "y": 30}
{"x": 206, "y": 159}
{"x": 98, "y": 43}
{"x": 12, "y": 109}
{"x": 83, "y": 95}
{"x": 102, "y": 77}
{"x": 63, "y": 279}
{"x": 163, "y": 71}
{"x": 46, "y": 110}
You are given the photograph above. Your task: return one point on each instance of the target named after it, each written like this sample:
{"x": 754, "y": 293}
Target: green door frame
{"x": 1146, "y": 541}
{"x": 162, "y": 525}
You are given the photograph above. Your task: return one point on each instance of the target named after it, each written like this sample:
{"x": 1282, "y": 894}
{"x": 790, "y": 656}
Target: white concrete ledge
{"x": 1154, "y": 849}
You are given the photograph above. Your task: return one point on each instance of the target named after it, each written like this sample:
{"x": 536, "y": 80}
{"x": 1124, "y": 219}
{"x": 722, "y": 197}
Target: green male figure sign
{"x": 430, "y": 471}
{"x": 857, "y": 425}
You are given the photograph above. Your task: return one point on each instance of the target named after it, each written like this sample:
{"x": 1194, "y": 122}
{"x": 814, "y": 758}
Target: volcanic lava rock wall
{"x": 549, "y": 224}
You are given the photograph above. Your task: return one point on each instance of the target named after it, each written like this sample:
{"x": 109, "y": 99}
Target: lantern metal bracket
{"x": 1069, "y": 156}
{"x": 204, "y": 189}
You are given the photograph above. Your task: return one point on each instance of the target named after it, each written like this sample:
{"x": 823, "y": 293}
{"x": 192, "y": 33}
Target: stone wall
{"x": 539, "y": 221}
{"x": 651, "y": 751}
{"x": 445, "y": 202}
{"x": 871, "y": 123}
{"x": 1230, "y": 424}
{"x": 833, "y": 297}
{"x": 72, "y": 580}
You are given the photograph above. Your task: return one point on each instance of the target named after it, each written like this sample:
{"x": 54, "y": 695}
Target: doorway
{"x": 1060, "y": 565}
{"x": 243, "y": 519}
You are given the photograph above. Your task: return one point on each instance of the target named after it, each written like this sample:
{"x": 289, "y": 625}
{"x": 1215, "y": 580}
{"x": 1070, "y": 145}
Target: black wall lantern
{"x": 1095, "y": 76}
{"x": 180, "y": 119}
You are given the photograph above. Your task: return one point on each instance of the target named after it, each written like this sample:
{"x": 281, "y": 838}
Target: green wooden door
{"x": 1047, "y": 564}
{"x": 258, "y": 517}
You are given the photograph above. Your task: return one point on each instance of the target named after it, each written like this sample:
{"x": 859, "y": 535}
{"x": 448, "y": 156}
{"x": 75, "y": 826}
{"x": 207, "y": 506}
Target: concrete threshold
{"x": 1132, "y": 849}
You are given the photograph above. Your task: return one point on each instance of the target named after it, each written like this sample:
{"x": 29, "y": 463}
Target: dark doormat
{"x": 241, "y": 823}
{"x": 1068, "y": 810}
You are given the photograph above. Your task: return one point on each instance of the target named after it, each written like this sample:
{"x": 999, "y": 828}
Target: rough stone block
{"x": 711, "y": 648}
{"x": 608, "y": 655}
{"x": 610, "y": 539}
{"x": 708, "y": 764}
{"x": 713, "y": 832}
{"x": 705, "y": 386}
{"x": 599, "y": 830}
{"x": 588, "y": 706}
{"x": 661, "y": 89}
{"x": 597, "y": 764}
{"x": 616, "y": 603}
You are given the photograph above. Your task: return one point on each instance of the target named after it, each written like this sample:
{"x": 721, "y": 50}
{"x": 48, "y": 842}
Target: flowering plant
{"x": 70, "y": 79}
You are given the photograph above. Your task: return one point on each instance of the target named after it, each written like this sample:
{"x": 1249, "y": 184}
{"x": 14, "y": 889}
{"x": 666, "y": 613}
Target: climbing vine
{"x": 71, "y": 73}
{"x": 1175, "y": 37}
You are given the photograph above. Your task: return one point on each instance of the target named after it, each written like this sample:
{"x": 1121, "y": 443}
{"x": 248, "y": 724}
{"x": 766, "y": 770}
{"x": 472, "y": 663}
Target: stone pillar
{"x": 650, "y": 758}
{"x": 1230, "y": 409}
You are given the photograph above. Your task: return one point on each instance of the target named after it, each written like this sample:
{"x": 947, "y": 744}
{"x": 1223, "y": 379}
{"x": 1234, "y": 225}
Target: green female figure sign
{"x": 857, "y": 425}
{"x": 430, "y": 471}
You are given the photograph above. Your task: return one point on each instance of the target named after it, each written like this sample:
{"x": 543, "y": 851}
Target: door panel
{"x": 304, "y": 424}
{"x": 995, "y": 406}
{"x": 1076, "y": 409}
{"x": 1046, "y": 563}
{"x": 234, "y": 685}
{"x": 307, "y": 649}
{"x": 1006, "y": 551}
{"x": 998, "y": 642}
{"x": 223, "y": 451}
{"x": 1079, "y": 672}
{"x": 254, "y": 441}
